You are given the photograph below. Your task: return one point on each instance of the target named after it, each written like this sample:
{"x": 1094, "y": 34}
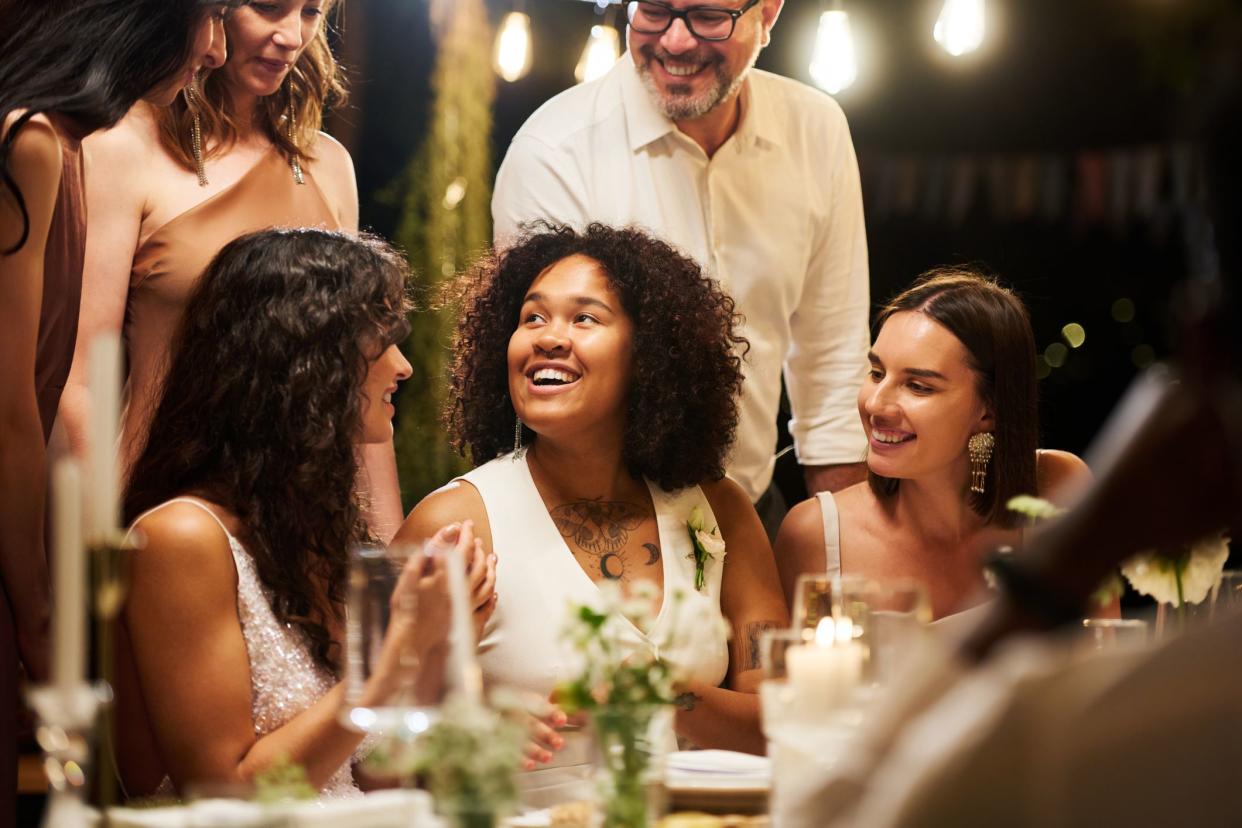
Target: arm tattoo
{"x": 686, "y": 701}
{"x": 653, "y": 553}
{"x": 750, "y": 643}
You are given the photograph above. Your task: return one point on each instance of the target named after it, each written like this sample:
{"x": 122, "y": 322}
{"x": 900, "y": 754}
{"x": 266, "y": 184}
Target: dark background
{"x": 1054, "y": 76}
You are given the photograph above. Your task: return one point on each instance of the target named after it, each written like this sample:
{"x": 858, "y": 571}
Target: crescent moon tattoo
{"x": 653, "y": 553}
{"x": 609, "y": 574}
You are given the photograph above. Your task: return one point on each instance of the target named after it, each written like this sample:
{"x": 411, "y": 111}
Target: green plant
{"x": 445, "y": 223}
{"x": 468, "y": 759}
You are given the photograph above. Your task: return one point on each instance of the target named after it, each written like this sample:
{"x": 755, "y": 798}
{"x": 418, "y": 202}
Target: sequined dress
{"x": 284, "y": 678}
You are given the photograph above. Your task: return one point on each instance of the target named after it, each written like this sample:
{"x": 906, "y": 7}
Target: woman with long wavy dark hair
{"x": 595, "y": 381}
{"x": 239, "y": 151}
{"x": 286, "y": 362}
{"x": 67, "y": 68}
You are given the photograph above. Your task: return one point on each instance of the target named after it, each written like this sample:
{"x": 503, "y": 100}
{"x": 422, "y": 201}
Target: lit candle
{"x": 465, "y": 669}
{"x": 68, "y": 578}
{"x": 104, "y": 378}
{"x": 825, "y": 673}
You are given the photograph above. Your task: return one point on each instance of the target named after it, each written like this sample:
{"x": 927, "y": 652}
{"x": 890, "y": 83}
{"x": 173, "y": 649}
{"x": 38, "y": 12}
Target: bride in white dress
{"x": 618, "y": 356}
{"x": 232, "y": 638}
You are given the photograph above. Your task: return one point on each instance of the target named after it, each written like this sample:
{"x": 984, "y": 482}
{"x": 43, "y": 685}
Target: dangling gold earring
{"x": 980, "y": 449}
{"x": 196, "y": 130}
{"x": 291, "y": 122}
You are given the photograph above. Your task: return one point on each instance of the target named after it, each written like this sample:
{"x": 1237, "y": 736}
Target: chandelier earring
{"x": 291, "y": 124}
{"x": 196, "y": 129}
{"x": 980, "y": 449}
{"x": 517, "y": 439}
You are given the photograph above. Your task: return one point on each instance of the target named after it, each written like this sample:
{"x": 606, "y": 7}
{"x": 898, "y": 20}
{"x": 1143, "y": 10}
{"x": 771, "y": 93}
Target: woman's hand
{"x": 544, "y": 740}
{"x": 481, "y": 586}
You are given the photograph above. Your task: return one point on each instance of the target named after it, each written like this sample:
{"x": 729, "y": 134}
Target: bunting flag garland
{"x": 1119, "y": 188}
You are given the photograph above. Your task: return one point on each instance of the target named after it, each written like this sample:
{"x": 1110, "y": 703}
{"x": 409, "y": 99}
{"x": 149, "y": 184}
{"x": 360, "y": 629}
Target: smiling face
{"x": 206, "y": 52}
{"x": 689, "y": 77}
{"x": 920, "y": 403}
{"x": 383, "y": 375}
{"x": 570, "y": 357}
{"x": 266, "y": 38}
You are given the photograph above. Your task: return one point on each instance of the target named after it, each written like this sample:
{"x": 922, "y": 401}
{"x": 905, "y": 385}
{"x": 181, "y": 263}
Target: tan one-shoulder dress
{"x": 169, "y": 263}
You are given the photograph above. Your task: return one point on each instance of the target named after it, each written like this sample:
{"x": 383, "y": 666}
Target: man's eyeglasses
{"x": 704, "y": 22}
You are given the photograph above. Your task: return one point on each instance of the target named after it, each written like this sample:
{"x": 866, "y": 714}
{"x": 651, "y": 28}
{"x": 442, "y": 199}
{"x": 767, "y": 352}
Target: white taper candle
{"x": 69, "y": 596}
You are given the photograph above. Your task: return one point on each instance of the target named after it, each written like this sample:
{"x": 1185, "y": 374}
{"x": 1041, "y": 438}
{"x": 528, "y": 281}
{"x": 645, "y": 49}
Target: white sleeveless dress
{"x": 284, "y": 677}
{"x": 953, "y": 622}
{"x": 537, "y": 578}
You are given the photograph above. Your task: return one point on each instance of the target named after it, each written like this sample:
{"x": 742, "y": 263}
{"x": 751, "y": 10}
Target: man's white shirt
{"x": 775, "y": 215}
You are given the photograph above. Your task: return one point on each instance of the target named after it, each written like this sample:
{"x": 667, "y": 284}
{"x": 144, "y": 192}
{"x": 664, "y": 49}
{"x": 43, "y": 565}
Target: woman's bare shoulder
{"x": 1059, "y": 473}
{"x": 133, "y": 139}
{"x": 724, "y": 496}
{"x": 182, "y": 536}
{"x": 36, "y": 147}
{"x": 452, "y": 503}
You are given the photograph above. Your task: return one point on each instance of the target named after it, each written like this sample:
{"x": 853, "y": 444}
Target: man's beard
{"x": 675, "y": 100}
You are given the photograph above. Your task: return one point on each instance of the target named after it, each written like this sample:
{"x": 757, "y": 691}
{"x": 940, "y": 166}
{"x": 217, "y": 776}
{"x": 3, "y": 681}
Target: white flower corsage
{"x": 707, "y": 545}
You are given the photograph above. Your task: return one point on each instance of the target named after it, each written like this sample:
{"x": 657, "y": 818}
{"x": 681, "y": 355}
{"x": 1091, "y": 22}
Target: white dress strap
{"x": 191, "y": 500}
{"x": 832, "y": 532}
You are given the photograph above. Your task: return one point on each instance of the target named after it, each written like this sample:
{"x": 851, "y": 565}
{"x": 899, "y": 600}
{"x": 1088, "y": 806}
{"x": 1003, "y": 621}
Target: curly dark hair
{"x": 262, "y": 407}
{"x": 679, "y": 425}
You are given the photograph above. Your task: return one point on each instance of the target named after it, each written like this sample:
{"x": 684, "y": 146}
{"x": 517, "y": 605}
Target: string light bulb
{"x": 512, "y": 57}
{"x": 960, "y": 27}
{"x": 834, "y": 64}
{"x": 603, "y": 49}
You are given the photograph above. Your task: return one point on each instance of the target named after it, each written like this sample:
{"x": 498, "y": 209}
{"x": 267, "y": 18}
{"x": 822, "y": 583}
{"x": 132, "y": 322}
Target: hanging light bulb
{"x": 602, "y": 51}
{"x": 960, "y": 27}
{"x": 512, "y": 57}
{"x": 834, "y": 66}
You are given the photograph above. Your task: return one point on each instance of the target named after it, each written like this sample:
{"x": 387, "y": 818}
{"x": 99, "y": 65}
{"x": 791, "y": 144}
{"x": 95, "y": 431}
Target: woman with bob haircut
{"x": 240, "y": 151}
{"x": 949, "y": 409}
{"x": 284, "y": 365}
{"x": 67, "y": 69}
{"x": 595, "y": 383}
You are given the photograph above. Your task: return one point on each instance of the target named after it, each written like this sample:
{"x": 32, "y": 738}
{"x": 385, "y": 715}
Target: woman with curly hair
{"x": 595, "y": 381}
{"x": 949, "y": 408}
{"x": 231, "y": 649}
{"x": 240, "y": 151}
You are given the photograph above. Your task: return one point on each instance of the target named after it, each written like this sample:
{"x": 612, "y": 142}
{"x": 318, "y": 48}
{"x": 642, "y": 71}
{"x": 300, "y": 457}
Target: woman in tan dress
{"x": 168, "y": 201}
{"x": 48, "y": 51}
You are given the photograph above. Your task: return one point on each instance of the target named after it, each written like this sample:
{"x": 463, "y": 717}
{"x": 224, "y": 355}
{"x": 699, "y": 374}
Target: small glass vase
{"x": 629, "y": 764}
{"x": 469, "y": 813}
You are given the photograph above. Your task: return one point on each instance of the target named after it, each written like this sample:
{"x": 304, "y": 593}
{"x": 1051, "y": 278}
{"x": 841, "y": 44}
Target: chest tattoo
{"x": 602, "y": 529}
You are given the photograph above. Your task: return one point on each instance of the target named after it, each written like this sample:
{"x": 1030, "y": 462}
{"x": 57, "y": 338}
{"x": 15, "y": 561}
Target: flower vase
{"x": 628, "y": 768}
{"x": 469, "y": 814}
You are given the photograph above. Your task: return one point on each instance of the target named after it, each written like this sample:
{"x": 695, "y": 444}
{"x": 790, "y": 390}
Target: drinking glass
{"x": 888, "y": 616}
{"x": 1102, "y": 634}
{"x": 392, "y": 693}
{"x": 813, "y": 597}
{"x": 1226, "y": 598}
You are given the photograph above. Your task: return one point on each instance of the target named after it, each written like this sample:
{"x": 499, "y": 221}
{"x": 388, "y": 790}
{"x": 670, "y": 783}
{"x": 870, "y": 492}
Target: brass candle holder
{"x": 109, "y": 557}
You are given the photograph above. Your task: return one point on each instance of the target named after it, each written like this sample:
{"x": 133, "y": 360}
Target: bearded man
{"x": 752, "y": 174}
